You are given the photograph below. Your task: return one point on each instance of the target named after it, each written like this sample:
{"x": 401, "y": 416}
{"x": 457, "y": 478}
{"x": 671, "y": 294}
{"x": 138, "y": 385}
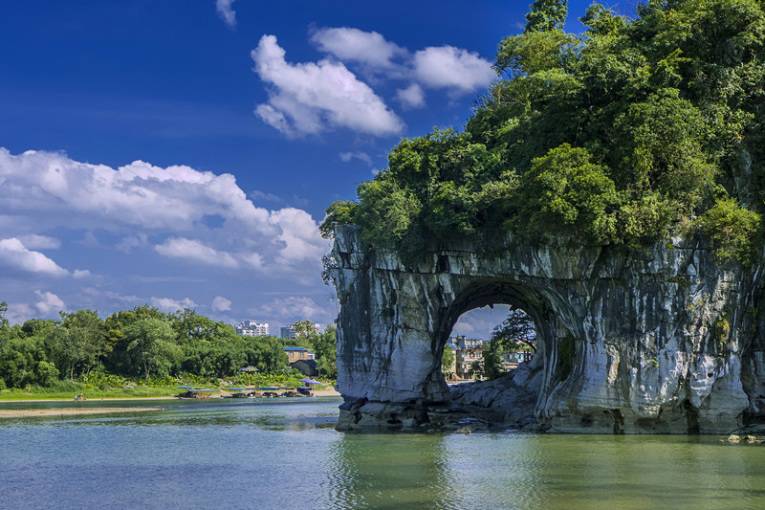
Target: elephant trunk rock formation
{"x": 662, "y": 340}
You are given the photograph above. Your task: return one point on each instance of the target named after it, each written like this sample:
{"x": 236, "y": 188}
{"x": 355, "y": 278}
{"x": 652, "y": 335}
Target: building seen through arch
{"x": 506, "y": 344}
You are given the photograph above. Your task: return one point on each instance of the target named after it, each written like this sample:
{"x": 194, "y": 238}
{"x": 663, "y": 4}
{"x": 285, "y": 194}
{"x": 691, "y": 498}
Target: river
{"x": 286, "y": 455}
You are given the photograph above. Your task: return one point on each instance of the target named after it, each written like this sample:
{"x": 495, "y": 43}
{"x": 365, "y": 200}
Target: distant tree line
{"x": 143, "y": 343}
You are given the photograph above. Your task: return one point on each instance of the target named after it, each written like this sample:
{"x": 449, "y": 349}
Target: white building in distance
{"x": 462, "y": 343}
{"x": 252, "y": 328}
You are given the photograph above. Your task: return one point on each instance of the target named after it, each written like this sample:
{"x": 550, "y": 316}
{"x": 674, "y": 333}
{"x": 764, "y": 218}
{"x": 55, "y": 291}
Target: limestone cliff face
{"x": 661, "y": 340}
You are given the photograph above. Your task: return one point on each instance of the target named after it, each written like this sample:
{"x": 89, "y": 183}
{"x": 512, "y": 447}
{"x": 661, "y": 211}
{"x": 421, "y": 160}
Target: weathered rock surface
{"x": 512, "y": 398}
{"x": 656, "y": 341}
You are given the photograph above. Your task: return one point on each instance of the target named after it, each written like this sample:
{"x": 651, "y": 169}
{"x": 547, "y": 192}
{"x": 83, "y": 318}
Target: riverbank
{"x": 62, "y": 412}
{"x": 107, "y": 399}
{"x": 326, "y": 392}
{"x": 330, "y": 392}
{"x": 108, "y": 388}
{"x": 97, "y": 395}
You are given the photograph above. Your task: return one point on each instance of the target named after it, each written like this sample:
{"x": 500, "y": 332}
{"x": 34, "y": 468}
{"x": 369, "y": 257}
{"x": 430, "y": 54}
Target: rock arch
{"x": 478, "y": 291}
{"x": 649, "y": 350}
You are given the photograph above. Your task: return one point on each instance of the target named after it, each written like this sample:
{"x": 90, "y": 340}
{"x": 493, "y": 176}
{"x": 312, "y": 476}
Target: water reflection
{"x": 287, "y": 456}
{"x": 276, "y": 415}
{"x": 519, "y": 471}
{"x": 605, "y": 472}
{"x": 390, "y": 472}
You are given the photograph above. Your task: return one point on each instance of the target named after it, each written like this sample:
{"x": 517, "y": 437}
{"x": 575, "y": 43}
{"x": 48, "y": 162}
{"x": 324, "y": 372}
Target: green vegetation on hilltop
{"x": 623, "y": 135}
{"x": 143, "y": 352}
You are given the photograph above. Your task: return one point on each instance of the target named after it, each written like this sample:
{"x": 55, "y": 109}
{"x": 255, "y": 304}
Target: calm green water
{"x": 285, "y": 455}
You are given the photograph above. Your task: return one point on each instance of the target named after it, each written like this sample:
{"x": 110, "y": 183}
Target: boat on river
{"x": 190, "y": 393}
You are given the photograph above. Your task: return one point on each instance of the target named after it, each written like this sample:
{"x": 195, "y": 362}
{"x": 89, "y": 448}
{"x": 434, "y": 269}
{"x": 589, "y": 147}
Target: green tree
{"x": 601, "y": 21}
{"x": 118, "y": 360}
{"x": 305, "y": 331}
{"x": 566, "y": 192}
{"x": 190, "y": 326}
{"x": 342, "y": 211}
{"x": 78, "y": 343}
{"x": 731, "y": 229}
{"x": 534, "y": 52}
{"x": 266, "y": 354}
{"x": 517, "y": 332}
{"x": 626, "y": 134}
{"x": 447, "y": 361}
{"x": 23, "y": 362}
{"x": 38, "y": 327}
{"x": 210, "y": 348}
{"x": 662, "y": 149}
{"x": 546, "y": 15}
{"x": 493, "y": 355}
{"x": 46, "y": 373}
{"x": 325, "y": 347}
{"x": 211, "y": 359}
{"x": 387, "y": 211}
{"x": 3, "y": 314}
{"x": 151, "y": 347}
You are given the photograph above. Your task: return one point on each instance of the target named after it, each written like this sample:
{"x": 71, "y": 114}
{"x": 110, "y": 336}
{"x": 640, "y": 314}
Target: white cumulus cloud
{"x": 347, "y": 157}
{"x": 39, "y": 242}
{"x": 411, "y": 96}
{"x": 139, "y": 201}
{"x": 172, "y": 305}
{"x": 19, "y": 312}
{"x": 452, "y": 68}
{"x": 49, "y": 303}
{"x": 221, "y": 304}
{"x": 182, "y": 248}
{"x": 14, "y": 254}
{"x": 45, "y": 183}
{"x": 354, "y": 45}
{"x": 226, "y": 12}
{"x": 79, "y": 274}
{"x": 457, "y": 70}
{"x": 311, "y": 97}
{"x": 253, "y": 260}
{"x": 297, "y": 236}
{"x": 132, "y": 242}
{"x": 293, "y": 308}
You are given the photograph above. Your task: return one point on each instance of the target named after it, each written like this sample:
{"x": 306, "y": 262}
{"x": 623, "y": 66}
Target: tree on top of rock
{"x": 546, "y": 15}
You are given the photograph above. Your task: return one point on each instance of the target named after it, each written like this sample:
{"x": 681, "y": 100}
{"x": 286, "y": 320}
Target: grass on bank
{"x": 98, "y": 386}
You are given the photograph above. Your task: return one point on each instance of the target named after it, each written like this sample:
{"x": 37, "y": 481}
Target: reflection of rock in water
{"x": 390, "y": 472}
{"x": 635, "y": 341}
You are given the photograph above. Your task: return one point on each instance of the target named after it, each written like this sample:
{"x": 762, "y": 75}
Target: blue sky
{"x": 181, "y": 153}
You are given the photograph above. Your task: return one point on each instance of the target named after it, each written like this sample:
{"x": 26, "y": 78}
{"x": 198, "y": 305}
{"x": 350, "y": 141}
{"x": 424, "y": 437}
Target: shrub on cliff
{"x": 563, "y": 191}
{"x": 730, "y": 228}
{"x": 620, "y": 135}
